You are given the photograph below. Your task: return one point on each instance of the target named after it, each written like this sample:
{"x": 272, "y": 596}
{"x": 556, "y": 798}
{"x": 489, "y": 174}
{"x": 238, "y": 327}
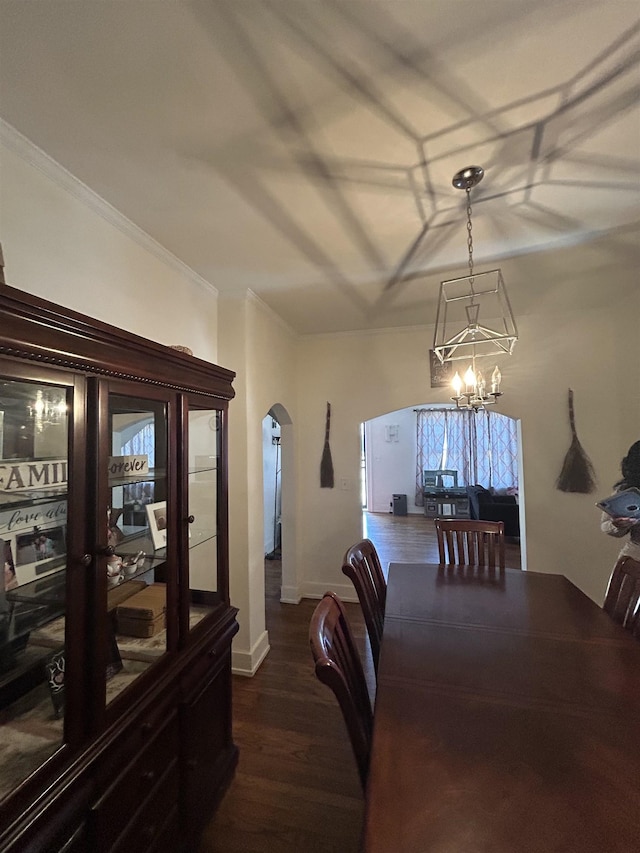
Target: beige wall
{"x": 262, "y": 351}
{"x": 64, "y": 243}
{"x": 365, "y": 376}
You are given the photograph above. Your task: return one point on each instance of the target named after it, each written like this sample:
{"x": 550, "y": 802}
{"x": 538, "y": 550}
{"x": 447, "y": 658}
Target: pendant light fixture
{"x": 474, "y": 318}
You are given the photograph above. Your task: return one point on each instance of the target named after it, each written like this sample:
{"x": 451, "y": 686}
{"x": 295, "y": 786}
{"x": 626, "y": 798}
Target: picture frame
{"x": 157, "y": 520}
{"x": 36, "y": 540}
{"x": 441, "y": 374}
{"x": 40, "y": 551}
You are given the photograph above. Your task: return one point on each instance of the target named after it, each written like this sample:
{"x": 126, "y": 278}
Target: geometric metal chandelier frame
{"x": 460, "y": 333}
{"x": 474, "y": 317}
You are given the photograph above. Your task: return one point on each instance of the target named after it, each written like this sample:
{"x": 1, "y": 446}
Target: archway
{"x": 390, "y": 464}
{"x": 279, "y": 503}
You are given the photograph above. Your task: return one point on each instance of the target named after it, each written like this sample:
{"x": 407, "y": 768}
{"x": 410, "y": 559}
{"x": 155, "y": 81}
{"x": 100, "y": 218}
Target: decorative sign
{"x": 38, "y": 474}
{"x": 39, "y": 515}
{"x": 441, "y": 374}
{"x": 128, "y": 466}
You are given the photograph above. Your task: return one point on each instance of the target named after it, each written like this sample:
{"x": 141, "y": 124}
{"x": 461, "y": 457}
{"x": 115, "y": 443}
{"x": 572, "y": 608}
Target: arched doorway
{"x": 279, "y": 500}
{"x": 393, "y": 461}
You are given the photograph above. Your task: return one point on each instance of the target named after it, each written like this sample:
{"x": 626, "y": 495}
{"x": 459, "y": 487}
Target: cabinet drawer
{"x": 153, "y": 825}
{"x": 129, "y": 738}
{"x": 133, "y": 784}
{"x": 205, "y": 667}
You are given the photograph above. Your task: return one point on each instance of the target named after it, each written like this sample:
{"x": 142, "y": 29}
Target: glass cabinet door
{"x": 137, "y": 526}
{"x": 34, "y": 472}
{"x": 204, "y": 484}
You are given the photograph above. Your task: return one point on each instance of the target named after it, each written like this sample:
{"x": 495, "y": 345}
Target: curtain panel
{"x": 481, "y": 446}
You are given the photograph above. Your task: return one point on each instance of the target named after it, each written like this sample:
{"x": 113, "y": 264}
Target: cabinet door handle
{"x": 108, "y": 550}
{"x": 191, "y": 519}
{"x": 86, "y": 559}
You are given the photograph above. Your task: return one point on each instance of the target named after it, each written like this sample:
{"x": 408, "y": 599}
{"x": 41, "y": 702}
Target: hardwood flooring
{"x": 412, "y": 539}
{"x": 296, "y": 788}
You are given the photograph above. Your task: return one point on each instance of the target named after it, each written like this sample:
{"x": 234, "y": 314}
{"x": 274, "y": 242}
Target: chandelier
{"x": 475, "y": 395}
{"x": 47, "y": 408}
{"x": 474, "y": 317}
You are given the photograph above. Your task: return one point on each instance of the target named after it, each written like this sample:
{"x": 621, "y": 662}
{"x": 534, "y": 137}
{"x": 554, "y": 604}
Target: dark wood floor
{"x": 296, "y": 789}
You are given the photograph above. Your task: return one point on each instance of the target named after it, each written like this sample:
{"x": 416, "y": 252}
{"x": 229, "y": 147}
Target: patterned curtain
{"x": 431, "y": 430}
{"x": 460, "y": 452}
{"x": 502, "y": 442}
{"x": 482, "y": 447}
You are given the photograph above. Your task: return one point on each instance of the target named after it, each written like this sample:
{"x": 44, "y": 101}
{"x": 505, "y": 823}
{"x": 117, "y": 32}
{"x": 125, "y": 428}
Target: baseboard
{"x": 316, "y": 590}
{"x": 290, "y": 595}
{"x": 247, "y": 663}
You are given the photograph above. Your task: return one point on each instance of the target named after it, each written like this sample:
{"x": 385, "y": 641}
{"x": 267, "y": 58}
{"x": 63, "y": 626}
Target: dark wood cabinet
{"x": 115, "y": 619}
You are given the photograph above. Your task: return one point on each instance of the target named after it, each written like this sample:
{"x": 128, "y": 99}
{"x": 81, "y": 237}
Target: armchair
{"x": 485, "y": 506}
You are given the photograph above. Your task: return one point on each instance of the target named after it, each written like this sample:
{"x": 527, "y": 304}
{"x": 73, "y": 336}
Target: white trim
{"x": 345, "y": 592}
{"x": 383, "y": 330}
{"x": 247, "y": 663}
{"x": 290, "y": 595}
{"x": 39, "y": 159}
{"x": 272, "y": 314}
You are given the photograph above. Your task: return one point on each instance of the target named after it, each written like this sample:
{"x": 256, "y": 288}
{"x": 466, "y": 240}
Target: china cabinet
{"x": 115, "y": 620}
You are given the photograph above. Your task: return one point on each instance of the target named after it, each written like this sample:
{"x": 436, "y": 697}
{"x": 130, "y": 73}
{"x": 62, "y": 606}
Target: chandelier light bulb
{"x": 38, "y": 406}
{"x": 456, "y": 384}
{"x": 496, "y": 379}
{"x": 470, "y": 379}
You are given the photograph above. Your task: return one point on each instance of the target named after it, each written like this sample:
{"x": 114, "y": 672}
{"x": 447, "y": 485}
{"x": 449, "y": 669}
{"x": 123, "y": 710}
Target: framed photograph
{"x": 9, "y": 579}
{"x": 157, "y": 519}
{"x": 36, "y": 540}
{"x": 441, "y": 374}
{"x": 39, "y": 551}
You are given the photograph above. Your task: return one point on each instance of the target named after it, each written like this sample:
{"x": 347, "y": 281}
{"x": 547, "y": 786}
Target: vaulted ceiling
{"x": 305, "y": 148}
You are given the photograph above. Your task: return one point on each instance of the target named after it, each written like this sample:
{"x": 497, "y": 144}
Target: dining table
{"x": 507, "y": 718}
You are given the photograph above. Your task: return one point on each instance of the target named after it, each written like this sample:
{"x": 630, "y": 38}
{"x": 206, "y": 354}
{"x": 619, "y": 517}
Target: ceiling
{"x": 305, "y": 148}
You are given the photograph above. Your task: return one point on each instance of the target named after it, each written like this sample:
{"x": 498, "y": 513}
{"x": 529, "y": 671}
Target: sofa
{"x": 485, "y": 505}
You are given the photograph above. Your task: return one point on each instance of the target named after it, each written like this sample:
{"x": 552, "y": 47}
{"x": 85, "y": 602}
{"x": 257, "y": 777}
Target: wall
{"x": 567, "y": 339}
{"x": 64, "y": 243}
{"x": 262, "y": 351}
{"x": 391, "y": 465}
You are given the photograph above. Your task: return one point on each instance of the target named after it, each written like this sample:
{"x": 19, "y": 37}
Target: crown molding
{"x": 271, "y": 313}
{"x": 381, "y": 331}
{"x": 39, "y": 159}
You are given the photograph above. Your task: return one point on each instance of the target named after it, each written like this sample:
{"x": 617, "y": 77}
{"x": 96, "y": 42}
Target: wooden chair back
{"x": 338, "y": 665}
{"x": 362, "y": 565}
{"x": 622, "y": 599}
{"x": 462, "y": 542}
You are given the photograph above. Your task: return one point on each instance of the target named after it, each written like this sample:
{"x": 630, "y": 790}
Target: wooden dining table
{"x": 507, "y": 718}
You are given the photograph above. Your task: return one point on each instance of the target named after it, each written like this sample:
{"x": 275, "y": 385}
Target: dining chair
{"x": 361, "y": 564}
{"x": 338, "y": 665}
{"x": 622, "y": 599}
{"x": 462, "y": 542}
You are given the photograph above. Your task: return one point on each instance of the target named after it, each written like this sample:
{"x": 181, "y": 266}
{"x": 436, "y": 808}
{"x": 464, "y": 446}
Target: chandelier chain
{"x": 470, "y": 238}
